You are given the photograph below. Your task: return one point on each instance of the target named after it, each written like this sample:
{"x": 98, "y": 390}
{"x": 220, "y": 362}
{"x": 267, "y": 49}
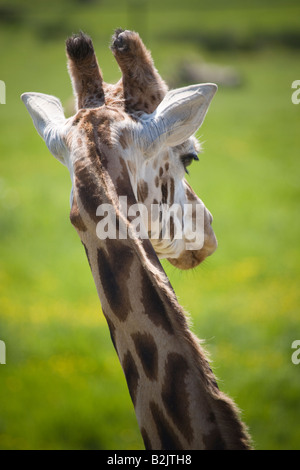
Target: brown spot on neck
{"x": 154, "y": 306}
{"x": 147, "y": 351}
{"x": 169, "y": 440}
{"x": 114, "y": 266}
{"x": 175, "y": 395}
{"x": 75, "y": 217}
{"x": 88, "y": 184}
{"x": 132, "y": 376}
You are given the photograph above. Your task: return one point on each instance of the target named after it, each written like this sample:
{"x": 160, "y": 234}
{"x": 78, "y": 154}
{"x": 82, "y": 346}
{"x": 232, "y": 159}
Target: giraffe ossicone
{"x": 133, "y": 141}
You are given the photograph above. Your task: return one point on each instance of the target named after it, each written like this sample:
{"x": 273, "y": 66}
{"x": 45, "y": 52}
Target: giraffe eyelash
{"x": 187, "y": 160}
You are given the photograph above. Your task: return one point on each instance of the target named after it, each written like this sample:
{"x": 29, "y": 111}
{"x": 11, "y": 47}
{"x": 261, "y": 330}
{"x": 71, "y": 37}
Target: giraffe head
{"x": 128, "y": 146}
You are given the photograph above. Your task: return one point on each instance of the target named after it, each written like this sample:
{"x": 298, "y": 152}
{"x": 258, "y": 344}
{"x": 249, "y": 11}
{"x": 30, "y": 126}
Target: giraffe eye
{"x": 187, "y": 160}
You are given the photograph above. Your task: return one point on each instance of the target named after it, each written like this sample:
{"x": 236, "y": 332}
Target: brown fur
{"x": 143, "y": 87}
{"x": 85, "y": 72}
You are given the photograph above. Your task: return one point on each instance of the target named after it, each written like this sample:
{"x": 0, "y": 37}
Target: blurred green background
{"x": 62, "y": 386}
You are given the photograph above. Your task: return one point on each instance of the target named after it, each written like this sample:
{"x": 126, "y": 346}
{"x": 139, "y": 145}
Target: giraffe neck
{"x": 176, "y": 399}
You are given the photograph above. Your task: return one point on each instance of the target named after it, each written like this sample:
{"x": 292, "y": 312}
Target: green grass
{"x": 62, "y": 386}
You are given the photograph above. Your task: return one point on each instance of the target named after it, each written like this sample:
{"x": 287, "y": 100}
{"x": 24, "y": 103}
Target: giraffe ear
{"x": 178, "y": 116}
{"x": 48, "y": 118}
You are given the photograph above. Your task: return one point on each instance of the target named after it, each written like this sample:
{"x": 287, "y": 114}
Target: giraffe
{"x": 158, "y": 180}
{"x": 177, "y": 401}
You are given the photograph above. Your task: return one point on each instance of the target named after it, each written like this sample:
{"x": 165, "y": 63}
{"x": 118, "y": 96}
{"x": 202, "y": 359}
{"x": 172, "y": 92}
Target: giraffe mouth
{"x": 192, "y": 258}
{"x": 189, "y": 259}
